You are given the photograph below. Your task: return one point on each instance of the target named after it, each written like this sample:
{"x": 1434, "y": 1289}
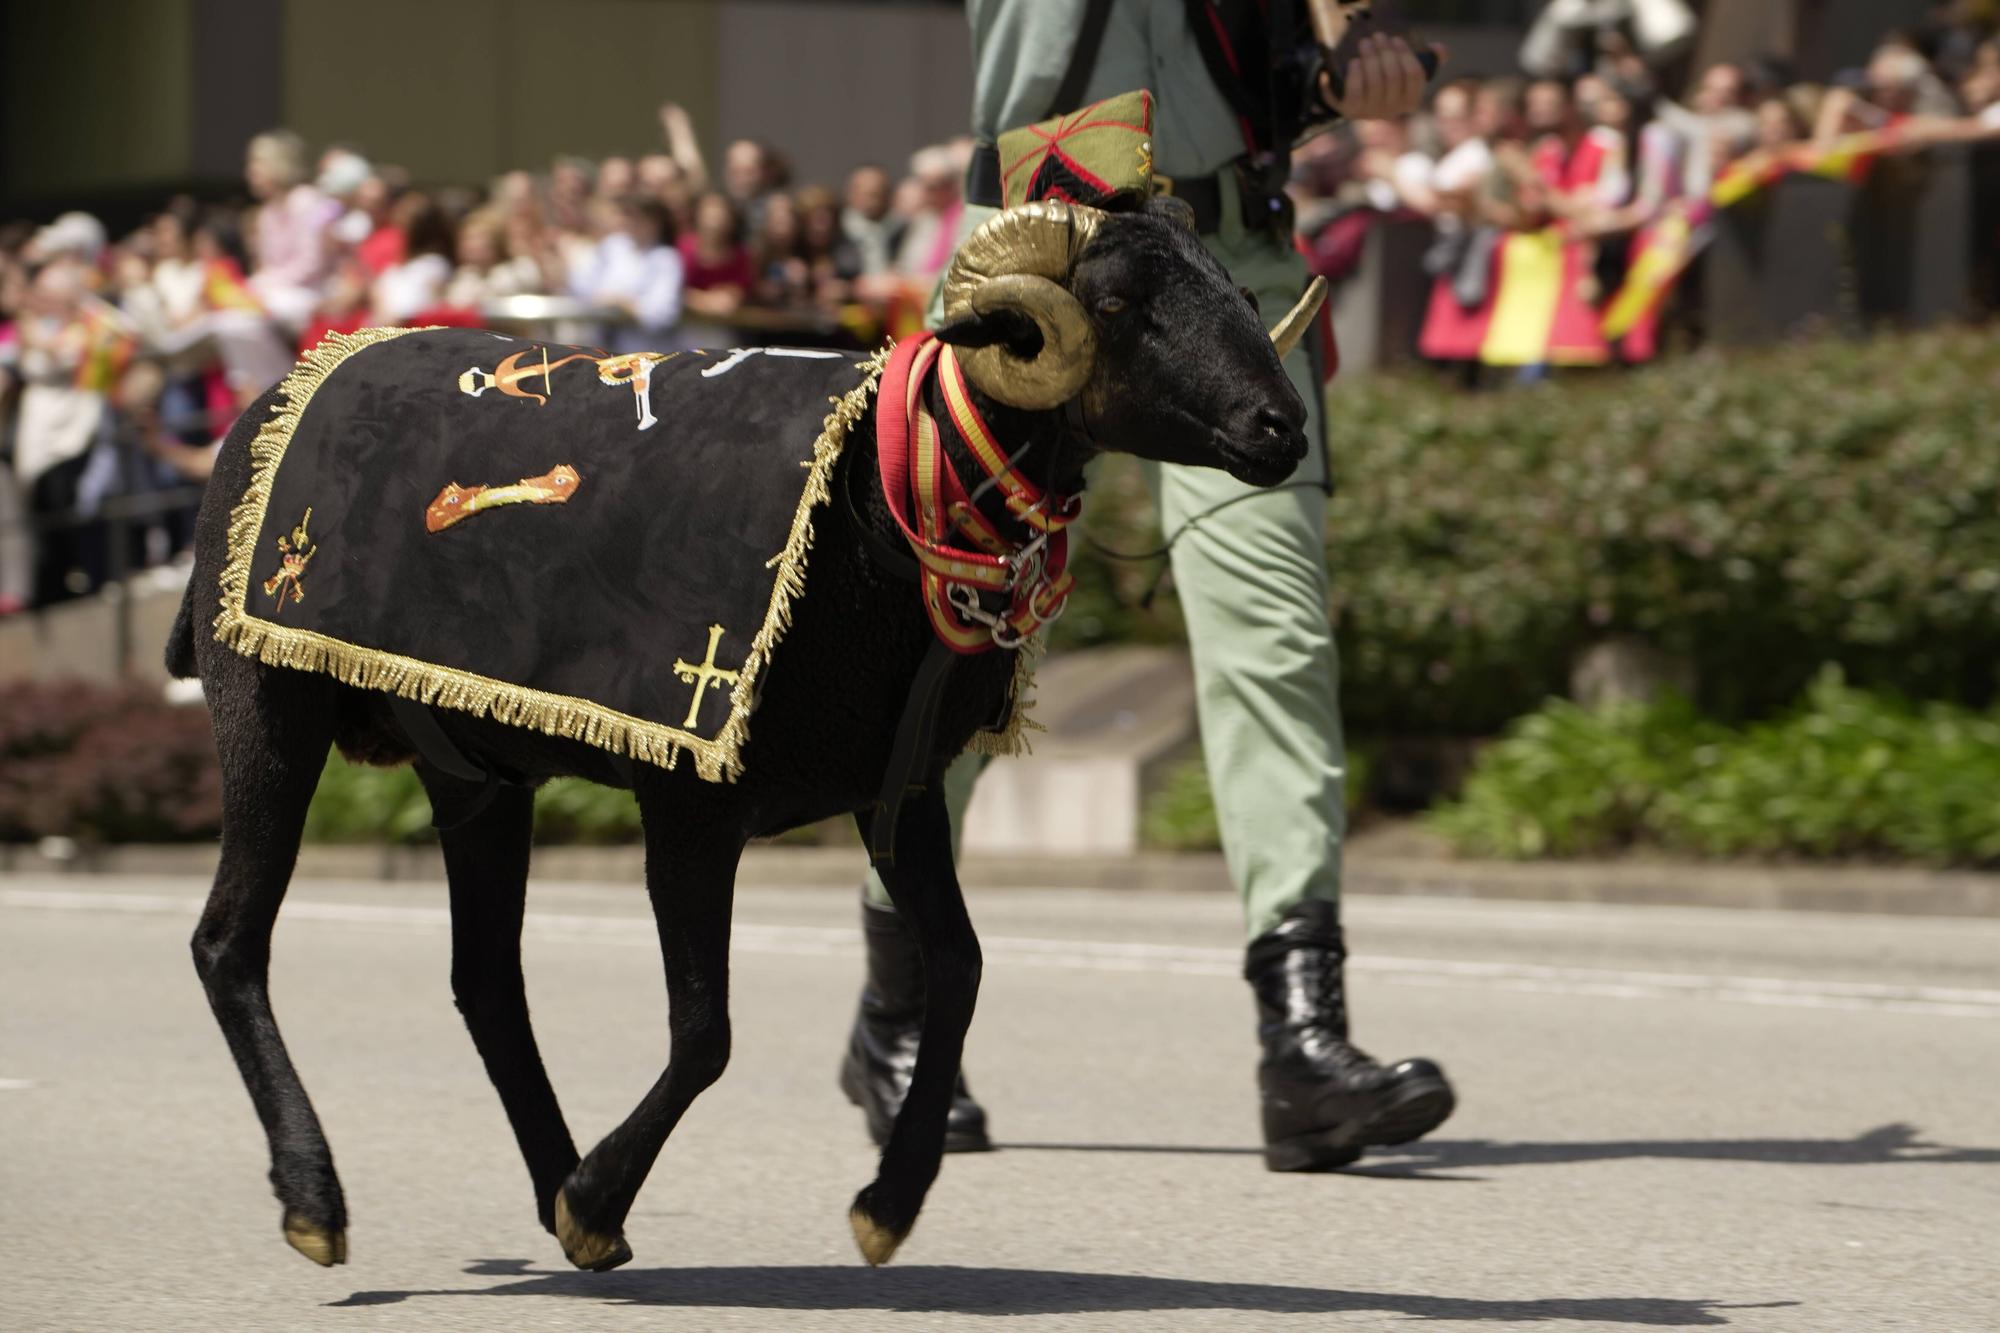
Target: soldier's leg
{"x": 1250, "y": 571}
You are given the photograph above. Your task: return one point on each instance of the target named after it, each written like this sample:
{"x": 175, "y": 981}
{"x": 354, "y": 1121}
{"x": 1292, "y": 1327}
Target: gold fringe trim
{"x": 717, "y": 760}
{"x": 791, "y": 561}
{"x": 1011, "y": 739}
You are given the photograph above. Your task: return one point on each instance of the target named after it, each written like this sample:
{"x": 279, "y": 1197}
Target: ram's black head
{"x": 1128, "y": 314}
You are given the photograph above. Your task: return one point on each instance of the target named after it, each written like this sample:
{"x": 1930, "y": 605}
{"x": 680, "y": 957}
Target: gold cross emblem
{"x": 703, "y": 676}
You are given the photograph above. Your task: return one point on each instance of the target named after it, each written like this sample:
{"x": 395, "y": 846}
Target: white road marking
{"x": 16, "y": 1084}
{"x": 1122, "y": 956}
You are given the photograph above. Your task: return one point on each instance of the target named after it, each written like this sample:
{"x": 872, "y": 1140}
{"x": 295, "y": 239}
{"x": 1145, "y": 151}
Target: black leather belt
{"x": 1203, "y": 194}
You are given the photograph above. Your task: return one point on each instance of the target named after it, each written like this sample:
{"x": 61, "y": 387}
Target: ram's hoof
{"x": 878, "y": 1242}
{"x": 587, "y": 1249}
{"x": 325, "y": 1248}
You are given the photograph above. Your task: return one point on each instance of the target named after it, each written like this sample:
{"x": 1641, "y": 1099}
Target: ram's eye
{"x": 1111, "y": 305}
{"x": 1249, "y": 296}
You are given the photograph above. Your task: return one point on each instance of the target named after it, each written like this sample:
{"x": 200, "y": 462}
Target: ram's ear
{"x": 1011, "y": 329}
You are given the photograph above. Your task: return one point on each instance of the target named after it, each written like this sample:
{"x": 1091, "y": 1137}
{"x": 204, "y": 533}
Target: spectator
{"x": 1394, "y": 175}
{"x": 746, "y": 180}
{"x": 1784, "y": 121}
{"x": 70, "y": 356}
{"x": 932, "y": 232}
{"x": 636, "y": 271}
{"x": 1563, "y": 180}
{"x": 382, "y": 245}
{"x": 1979, "y": 90}
{"x": 832, "y": 261}
{"x": 681, "y": 175}
{"x": 342, "y": 173}
{"x": 1460, "y": 262}
{"x": 1897, "y": 86}
{"x": 488, "y": 267}
{"x": 76, "y": 237}
{"x": 1714, "y": 126}
{"x": 866, "y": 221}
{"x": 1572, "y": 37}
{"x": 783, "y": 276}
{"x": 617, "y": 179}
{"x": 345, "y": 308}
{"x": 572, "y": 182}
{"x": 417, "y": 284}
{"x": 718, "y": 271}
{"x": 292, "y": 220}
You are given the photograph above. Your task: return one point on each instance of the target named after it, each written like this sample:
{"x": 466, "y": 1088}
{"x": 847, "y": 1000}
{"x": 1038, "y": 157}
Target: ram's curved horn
{"x": 1019, "y": 260}
{"x": 1285, "y": 336}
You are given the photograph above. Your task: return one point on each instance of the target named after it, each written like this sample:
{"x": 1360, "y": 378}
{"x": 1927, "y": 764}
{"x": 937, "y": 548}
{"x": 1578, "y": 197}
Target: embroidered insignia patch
{"x": 455, "y": 503}
{"x": 297, "y": 550}
{"x": 514, "y": 372}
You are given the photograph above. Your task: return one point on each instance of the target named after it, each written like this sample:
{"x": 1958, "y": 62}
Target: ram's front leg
{"x": 923, "y": 884}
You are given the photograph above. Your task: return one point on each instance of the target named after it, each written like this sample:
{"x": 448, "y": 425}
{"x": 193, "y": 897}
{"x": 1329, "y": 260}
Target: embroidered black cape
{"x": 599, "y": 547}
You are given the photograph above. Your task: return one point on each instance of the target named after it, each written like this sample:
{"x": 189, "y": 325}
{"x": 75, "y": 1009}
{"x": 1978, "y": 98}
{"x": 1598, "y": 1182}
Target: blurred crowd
{"x": 1565, "y": 202}
{"x": 1562, "y": 205}
{"x": 123, "y": 360}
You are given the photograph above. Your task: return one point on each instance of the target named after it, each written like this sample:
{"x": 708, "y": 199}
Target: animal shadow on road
{"x": 946, "y": 1289}
{"x": 1886, "y": 1145}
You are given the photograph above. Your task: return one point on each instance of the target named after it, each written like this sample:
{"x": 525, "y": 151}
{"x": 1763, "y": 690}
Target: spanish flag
{"x": 224, "y": 288}
{"x": 1542, "y": 313}
{"x": 1661, "y": 252}
{"x": 107, "y": 346}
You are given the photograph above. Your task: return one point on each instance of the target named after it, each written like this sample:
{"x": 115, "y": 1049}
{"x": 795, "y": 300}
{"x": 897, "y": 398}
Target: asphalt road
{"x": 1670, "y": 1119}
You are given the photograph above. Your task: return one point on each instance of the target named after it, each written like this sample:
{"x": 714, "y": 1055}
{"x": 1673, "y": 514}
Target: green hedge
{"x": 1843, "y": 773}
{"x": 104, "y": 764}
{"x": 1759, "y": 514}
{"x": 357, "y": 804}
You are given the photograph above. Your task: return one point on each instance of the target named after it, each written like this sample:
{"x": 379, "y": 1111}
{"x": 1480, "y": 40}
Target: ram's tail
{"x": 180, "y": 639}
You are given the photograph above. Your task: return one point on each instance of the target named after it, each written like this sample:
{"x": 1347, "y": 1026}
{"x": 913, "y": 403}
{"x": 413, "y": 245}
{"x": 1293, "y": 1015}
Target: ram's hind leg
{"x": 272, "y": 730}
{"x": 486, "y": 864}
{"x": 691, "y": 856}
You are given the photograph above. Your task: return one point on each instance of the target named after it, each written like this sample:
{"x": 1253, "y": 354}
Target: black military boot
{"x": 1324, "y": 1098}
{"x": 882, "y": 1054}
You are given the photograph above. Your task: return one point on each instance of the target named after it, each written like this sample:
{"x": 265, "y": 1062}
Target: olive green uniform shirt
{"x": 1022, "y": 48}
{"x": 1250, "y": 570}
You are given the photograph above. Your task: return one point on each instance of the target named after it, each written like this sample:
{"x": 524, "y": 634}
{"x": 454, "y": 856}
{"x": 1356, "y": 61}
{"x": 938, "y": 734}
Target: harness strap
{"x": 1082, "y": 58}
{"x": 916, "y": 737}
{"x": 438, "y": 750}
{"x": 454, "y": 809}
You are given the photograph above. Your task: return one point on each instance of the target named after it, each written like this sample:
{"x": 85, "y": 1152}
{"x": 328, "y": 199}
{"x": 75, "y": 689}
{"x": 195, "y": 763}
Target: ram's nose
{"x": 1283, "y": 433}
{"x": 1282, "y": 429}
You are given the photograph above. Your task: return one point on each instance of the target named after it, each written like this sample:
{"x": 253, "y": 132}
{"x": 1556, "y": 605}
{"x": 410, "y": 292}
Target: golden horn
{"x": 1293, "y": 326}
{"x": 1020, "y": 259}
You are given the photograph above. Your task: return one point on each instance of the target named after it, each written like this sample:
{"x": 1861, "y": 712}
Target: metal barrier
{"x": 123, "y": 516}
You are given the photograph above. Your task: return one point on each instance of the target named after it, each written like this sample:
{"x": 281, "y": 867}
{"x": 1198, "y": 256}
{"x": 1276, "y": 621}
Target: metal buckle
{"x": 964, "y": 600}
{"x": 1026, "y": 564}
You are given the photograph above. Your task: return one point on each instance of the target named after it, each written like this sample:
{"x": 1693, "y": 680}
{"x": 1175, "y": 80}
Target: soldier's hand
{"x": 1382, "y": 81}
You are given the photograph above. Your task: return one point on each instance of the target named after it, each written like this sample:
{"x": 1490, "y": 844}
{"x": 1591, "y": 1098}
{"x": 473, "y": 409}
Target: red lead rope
{"x": 932, "y": 507}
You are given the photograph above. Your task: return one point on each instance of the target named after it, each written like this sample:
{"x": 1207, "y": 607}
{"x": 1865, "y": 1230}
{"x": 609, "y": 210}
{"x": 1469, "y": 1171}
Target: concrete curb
{"x": 1869, "y": 889}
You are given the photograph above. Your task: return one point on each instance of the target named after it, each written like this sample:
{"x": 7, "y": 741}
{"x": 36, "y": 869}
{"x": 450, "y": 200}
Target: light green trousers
{"x": 1252, "y": 582}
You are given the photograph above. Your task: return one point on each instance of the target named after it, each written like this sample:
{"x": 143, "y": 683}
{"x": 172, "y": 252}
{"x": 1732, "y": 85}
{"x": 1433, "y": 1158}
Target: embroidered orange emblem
{"x": 455, "y": 502}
